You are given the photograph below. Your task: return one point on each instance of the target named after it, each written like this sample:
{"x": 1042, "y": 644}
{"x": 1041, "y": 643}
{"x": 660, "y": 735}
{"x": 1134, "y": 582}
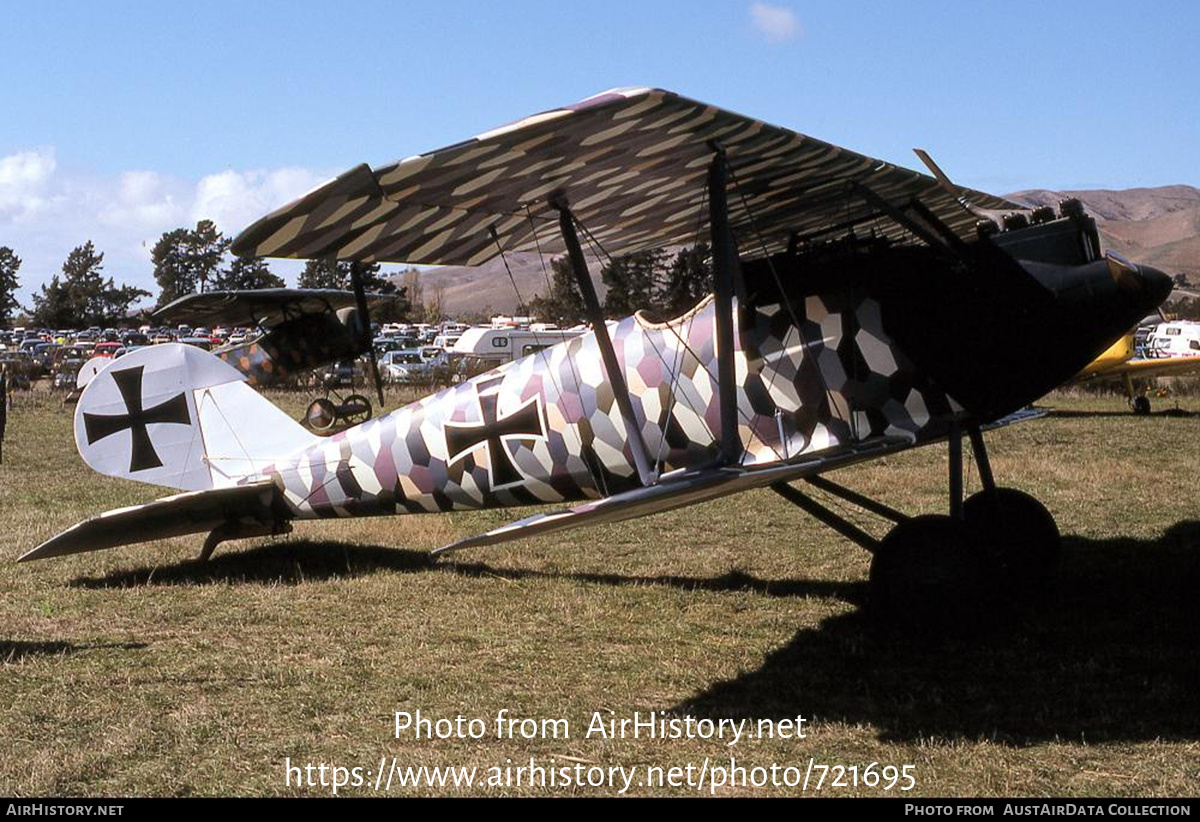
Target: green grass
{"x": 139, "y": 671}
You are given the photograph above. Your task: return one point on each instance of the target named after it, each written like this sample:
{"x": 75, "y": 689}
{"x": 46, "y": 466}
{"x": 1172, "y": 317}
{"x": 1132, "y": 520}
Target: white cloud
{"x": 24, "y": 179}
{"x": 775, "y": 23}
{"x": 45, "y": 212}
{"x": 234, "y": 199}
{"x": 143, "y": 201}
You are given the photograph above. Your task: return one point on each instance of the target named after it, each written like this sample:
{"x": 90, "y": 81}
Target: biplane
{"x": 858, "y": 309}
{"x": 301, "y": 329}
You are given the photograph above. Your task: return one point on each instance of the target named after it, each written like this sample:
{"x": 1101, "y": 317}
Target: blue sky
{"x": 121, "y": 120}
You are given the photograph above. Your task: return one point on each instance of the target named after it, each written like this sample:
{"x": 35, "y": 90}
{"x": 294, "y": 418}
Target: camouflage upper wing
{"x": 262, "y": 307}
{"x": 632, "y": 163}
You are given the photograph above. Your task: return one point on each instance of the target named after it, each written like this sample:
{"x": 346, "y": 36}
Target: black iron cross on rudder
{"x": 129, "y": 383}
{"x": 523, "y": 423}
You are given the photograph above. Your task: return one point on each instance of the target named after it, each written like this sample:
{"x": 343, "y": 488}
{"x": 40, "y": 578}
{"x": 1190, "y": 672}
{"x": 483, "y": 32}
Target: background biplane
{"x": 302, "y": 329}
{"x": 858, "y": 309}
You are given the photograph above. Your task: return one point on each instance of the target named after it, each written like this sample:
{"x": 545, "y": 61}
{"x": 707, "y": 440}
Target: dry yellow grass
{"x": 138, "y": 671}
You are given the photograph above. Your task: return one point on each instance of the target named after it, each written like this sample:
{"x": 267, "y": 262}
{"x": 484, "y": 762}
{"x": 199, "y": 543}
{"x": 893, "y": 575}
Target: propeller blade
{"x": 955, "y": 192}
{"x": 364, "y": 316}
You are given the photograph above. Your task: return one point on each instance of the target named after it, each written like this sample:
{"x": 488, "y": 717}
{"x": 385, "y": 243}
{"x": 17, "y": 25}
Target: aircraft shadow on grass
{"x": 293, "y": 563}
{"x": 13, "y": 651}
{"x": 1112, "y": 655}
{"x": 1166, "y": 413}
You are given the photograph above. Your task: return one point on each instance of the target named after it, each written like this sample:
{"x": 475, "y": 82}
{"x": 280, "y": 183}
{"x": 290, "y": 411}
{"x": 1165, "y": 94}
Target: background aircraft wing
{"x": 632, "y": 163}
{"x": 263, "y": 307}
{"x": 1143, "y": 369}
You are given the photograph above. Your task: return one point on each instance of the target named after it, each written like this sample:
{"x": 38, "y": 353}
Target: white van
{"x": 482, "y": 349}
{"x": 1180, "y": 338}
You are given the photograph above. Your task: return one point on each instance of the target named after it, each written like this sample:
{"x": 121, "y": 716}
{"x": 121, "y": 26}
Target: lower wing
{"x": 678, "y": 491}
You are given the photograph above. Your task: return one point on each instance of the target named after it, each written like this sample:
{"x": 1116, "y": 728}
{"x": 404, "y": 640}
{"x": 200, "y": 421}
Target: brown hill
{"x": 486, "y": 290}
{"x": 1157, "y": 226}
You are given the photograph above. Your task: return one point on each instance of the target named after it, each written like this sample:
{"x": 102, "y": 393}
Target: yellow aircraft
{"x": 1120, "y": 362}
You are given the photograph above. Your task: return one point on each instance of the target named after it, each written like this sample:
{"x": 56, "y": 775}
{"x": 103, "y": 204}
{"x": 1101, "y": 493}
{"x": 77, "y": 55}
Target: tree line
{"x": 186, "y": 261}
{"x": 663, "y": 283}
{"x": 191, "y": 260}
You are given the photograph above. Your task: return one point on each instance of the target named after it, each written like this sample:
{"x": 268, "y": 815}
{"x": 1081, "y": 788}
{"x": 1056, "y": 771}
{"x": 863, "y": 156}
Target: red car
{"x": 106, "y": 349}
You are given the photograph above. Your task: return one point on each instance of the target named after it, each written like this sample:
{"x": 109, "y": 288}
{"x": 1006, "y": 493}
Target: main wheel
{"x": 926, "y": 574}
{"x": 1018, "y": 536}
{"x": 1140, "y": 405}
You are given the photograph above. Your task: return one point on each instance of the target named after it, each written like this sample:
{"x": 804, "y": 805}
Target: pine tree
{"x": 334, "y": 274}
{"x": 562, "y": 304}
{"x": 83, "y": 296}
{"x": 185, "y": 260}
{"x": 10, "y": 263}
{"x": 633, "y": 282}
{"x": 247, "y": 274}
{"x": 325, "y": 274}
{"x": 688, "y": 281}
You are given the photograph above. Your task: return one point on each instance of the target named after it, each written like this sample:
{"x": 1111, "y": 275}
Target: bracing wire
{"x": 787, "y": 302}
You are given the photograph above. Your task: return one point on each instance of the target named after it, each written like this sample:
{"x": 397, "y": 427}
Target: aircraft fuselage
{"x": 902, "y": 345}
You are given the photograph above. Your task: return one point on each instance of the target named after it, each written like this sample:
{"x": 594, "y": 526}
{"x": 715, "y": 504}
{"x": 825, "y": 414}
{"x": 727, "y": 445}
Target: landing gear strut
{"x": 935, "y": 571}
{"x": 1138, "y": 401}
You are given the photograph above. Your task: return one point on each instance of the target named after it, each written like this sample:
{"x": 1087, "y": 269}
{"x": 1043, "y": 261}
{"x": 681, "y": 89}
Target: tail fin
{"x": 177, "y": 416}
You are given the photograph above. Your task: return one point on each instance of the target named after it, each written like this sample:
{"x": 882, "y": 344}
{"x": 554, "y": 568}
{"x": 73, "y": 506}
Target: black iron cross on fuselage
{"x": 464, "y": 437}
{"x": 142, "y": 453}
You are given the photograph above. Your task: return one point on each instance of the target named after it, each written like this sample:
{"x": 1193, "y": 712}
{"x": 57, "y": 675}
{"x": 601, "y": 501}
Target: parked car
{"x": 405, "y": 366}
{"x": 106, "y": 349}
{"x": 338, "y": 375}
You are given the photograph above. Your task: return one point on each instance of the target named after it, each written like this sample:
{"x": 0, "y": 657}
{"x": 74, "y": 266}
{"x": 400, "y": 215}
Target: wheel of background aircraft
{"x": 1017, "y": 536}
{"x": 927, "y": 574}
{"x": 355, "y": 410}
{"x": 1140, "y": 404}
{"x": 321, "y": 414}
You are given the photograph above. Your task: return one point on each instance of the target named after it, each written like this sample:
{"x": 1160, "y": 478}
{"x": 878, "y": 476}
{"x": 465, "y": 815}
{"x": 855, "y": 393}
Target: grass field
{"x": 139, "y": 671}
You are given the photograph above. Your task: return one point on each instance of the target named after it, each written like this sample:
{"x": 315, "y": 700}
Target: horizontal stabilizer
{"x": 1026, "y": 414}
{"x": 196, "y": 512}
{"x": 677, "y": 492}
